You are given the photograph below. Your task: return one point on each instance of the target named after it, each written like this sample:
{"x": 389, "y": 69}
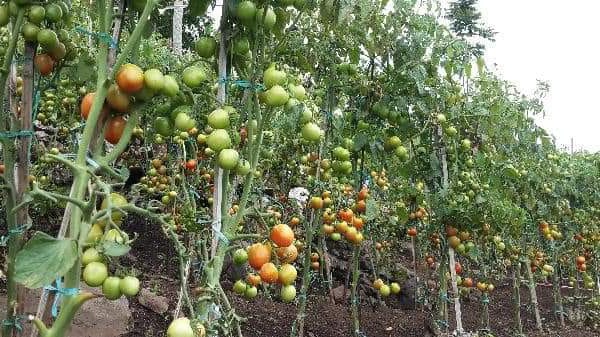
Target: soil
{"x": 154, "y": 259}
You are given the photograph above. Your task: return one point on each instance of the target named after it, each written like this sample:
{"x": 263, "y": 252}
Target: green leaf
{"x": 372, "y": 210}
{"x": 43, "y": 259}
{"x": 360, "y": 141}
{"x": 112, "y": 248}
{"x": 85, "y": 68}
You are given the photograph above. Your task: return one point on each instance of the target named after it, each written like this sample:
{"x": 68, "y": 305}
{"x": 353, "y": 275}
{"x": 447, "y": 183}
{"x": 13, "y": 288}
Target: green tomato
{"x": 228, "y": 159}
{"x": 272, "y": 77}
{"x": 218, "y": 119}
{"x": 298, "y": 92}
{"x": 163, "y": 126}
{"x": 341, "y": 153}
{"x": 246, "y": 11}
{"x": 311, "y": 132}
{"x": 306, "y": 115}
{"x": 30, "y": 31}
{"x": 117, "y": 200}
{"x": 170, "y": 86}
{"x": 110, "y": 288}
{"x": 395, "y": 288}
{"x": 239, "y": 287}
{"x": 288, "y": 293}
{"x": 206, "y": 46}
{"x": 268, "y": 20}
{"x": 184, "y": 122}
{"x": 240, "y": 256}
{"x": 193, "y": 76}
{"x": 91, "y": 255}
{"x": 385, "y": 290}
{"x": 251, "y": 292}
{"x": 129, "y": 286}
{"x": 243, "y": 167}
{"x": 241, "y": 45}
{"x": 154, "y": 79}
{"x": 47, "y": 38}
{"x": 95, "y": 273}
{"x": 218, "y": 140}
{"x": 180, "y": 327}
{"x": 54, "y": 13}
{"x": 276, "y": 96}
{"x": 37, "y": 14}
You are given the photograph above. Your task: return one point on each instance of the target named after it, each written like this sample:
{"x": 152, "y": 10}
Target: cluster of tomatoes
{"x": 380, "y": 179}
{"x": 384, "y": 289}
{"x": 538, "y": 261}
{"x": 459, "y": 241}
{"x": 550, "y": 232}
{"x": 157, "y": 179}
{"x": 41, "y": 20}
{"x": 347, "y": 222}
{"x": 259, "y": 257}
{"x": 132, "y": 85}
{"x": 95, "y": 270}
{"x": 394, "y": 144}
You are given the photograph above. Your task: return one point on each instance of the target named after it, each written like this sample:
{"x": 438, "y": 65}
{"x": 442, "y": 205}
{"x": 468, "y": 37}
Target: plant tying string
{"x": 219, "y": 234}
{"x": 485, "y": 299}
{"x": 60, "y": 291}
{"x": 17, "y": 231}
{"x": 16, "y": 134}
{"x": 444, "y": 297}
{"x": 100, "y": 36}
{"x": 244, "y": 84}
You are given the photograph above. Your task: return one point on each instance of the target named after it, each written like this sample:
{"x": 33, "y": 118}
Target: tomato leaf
{"x": 43, "y": 259}
{"x": 372, "y": 210}
{"x": 112, "y": 248}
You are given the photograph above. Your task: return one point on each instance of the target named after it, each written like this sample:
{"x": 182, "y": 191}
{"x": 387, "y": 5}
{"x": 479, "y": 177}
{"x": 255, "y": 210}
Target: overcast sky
{"x": 555, "y": 41}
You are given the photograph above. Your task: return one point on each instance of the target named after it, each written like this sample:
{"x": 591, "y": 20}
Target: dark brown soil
{"x": 270, "y": 318}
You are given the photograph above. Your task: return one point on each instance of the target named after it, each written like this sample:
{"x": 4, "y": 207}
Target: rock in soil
{"x": 152, "y": 301}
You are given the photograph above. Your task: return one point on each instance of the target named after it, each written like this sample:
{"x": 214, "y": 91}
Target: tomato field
{"x": 282, "y": 168}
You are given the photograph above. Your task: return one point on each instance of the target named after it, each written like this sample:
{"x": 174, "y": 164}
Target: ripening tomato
{"x": 44, "y": 64}
{"x": 117, "y": 99}
{"x": 114, "y": 129}
{"x": 191, "y": 164}
{"x": 130, "y": 78}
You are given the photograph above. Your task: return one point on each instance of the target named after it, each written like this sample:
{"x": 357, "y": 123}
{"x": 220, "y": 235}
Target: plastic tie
{"x": 60, "y": 291}
{"x": 14, "y": 322}
{"x": 485, "y": 300}
{"x": 102, "y": 36}
{"x": 442, "y": 323}
{"x": 219, "y": 234}
{"x": 18, "y": 230}
{"x": 246, "y": 84}
{"x": 444, "y": 297}
{"x": 16, "y": 134}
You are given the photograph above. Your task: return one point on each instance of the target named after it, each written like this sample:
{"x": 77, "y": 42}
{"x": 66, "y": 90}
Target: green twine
{"x": 244, "y": 84}
{"x": 220, "y": 234}
{"x": 16, "y": 134}
{"x": 443, "y": 323}
{"x": 101, "y": 36}
{"x": 14, "y": 322}
{"x": 18, "y": 230}
{"x": 485, "y": 300}
{"x": 444, "y": 297}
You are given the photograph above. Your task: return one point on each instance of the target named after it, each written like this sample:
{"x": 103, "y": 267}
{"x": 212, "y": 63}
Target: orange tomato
{"x": 282, "y": 235}
{"x": 86, "y": 104}
{"x": 412, "y": 232}
{"x": 358, "y": 222}
{"x": 130, "y": 78}
{"x": 287, "y": 254}
{"x": 258, "y": 255}
{"x": 118, "y": 99}
{"x": 253, "y": 280}
{"x": 269, "y": 273}
{"x": 361, "y": 206}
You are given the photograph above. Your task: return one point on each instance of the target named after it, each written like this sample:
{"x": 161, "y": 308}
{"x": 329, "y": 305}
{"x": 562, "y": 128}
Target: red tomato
{"x": 114, "y": 129}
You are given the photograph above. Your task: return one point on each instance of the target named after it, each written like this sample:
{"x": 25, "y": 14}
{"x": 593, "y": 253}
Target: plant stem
{"x": 533, "y": 295}
{"x": 516, "y": 285}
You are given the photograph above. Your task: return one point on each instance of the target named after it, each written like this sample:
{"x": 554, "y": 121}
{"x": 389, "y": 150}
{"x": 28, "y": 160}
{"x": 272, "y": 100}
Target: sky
{"x": 554, "y": 41}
